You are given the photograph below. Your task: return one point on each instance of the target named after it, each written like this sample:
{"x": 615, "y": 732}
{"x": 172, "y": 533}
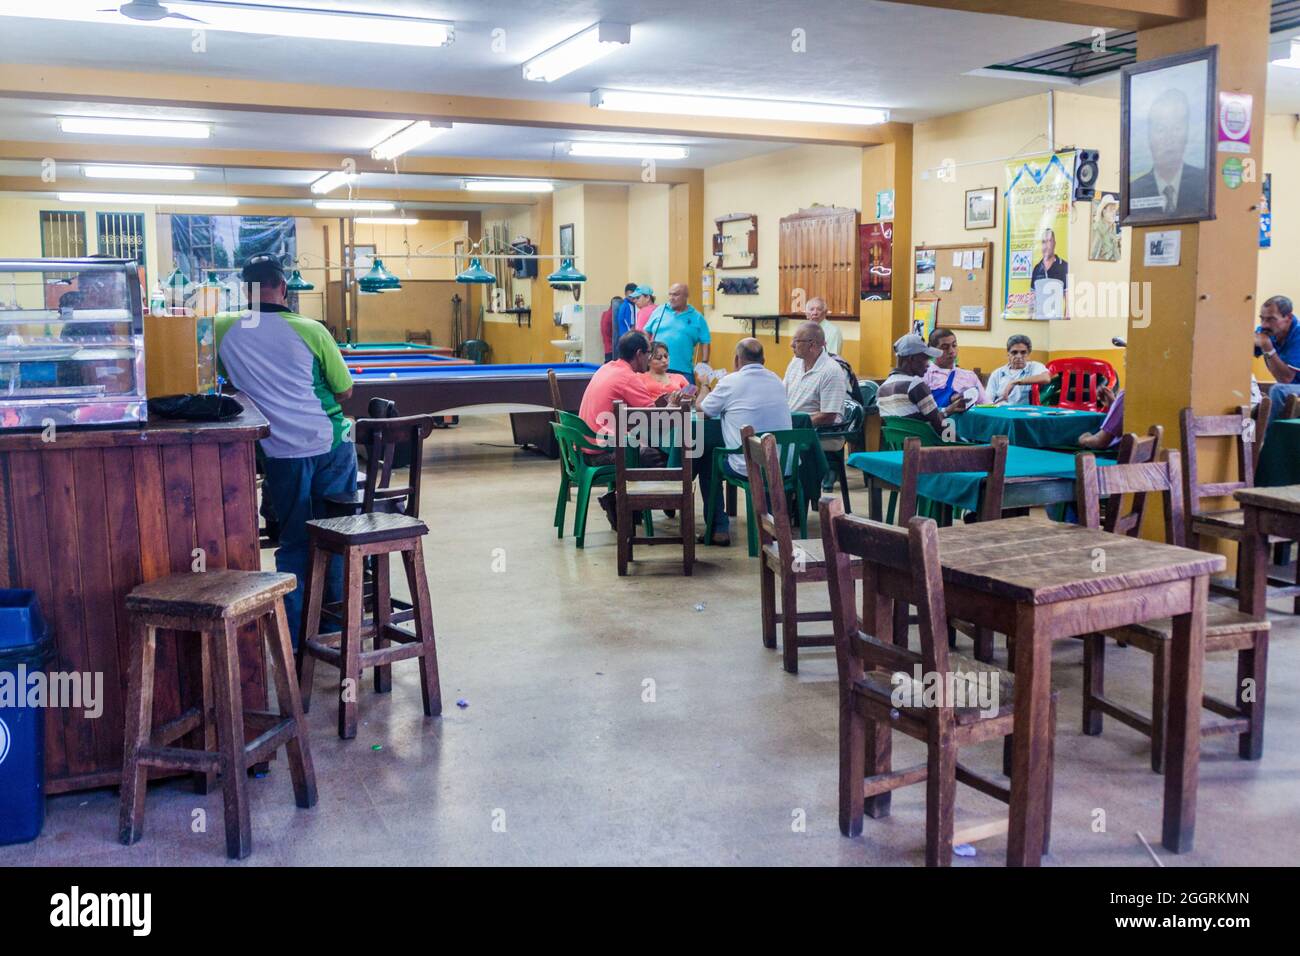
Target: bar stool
{"x": 356, "y": 538}
{"x": 213, "y": 605}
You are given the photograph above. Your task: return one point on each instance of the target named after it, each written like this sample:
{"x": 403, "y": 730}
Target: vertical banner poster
{"x": 877, "y": 240}
{"x": 1037, "y": 222}
{"x": 1266, "y": 213}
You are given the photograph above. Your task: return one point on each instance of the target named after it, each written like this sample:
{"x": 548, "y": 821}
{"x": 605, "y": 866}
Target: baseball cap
{"x": 914, "y": 345}
{"x": 643, "y": 290}
{"x": 263, "y": 269}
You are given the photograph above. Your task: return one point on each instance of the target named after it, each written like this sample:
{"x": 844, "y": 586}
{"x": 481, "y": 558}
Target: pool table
{"x": 521, "y": 390}
{"x": 390, "y": 349}
{"x": 392, "y": 363}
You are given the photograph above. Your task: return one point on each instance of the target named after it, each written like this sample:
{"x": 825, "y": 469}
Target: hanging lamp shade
{"x": 476, "y": 274}
{"x": 177, "y": 280}
{"x": 297, "y": 283}
{"x": 566, "y": 273}
{"x": 378, "y": 279}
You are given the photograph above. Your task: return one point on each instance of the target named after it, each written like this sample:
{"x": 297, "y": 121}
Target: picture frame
{"x": 567, "y": 240}
{"x": 981, "y": 207}
{"x": 1167, "y": 132}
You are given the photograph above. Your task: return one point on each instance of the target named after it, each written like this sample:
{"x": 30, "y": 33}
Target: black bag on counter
{"x": 195, "y": 408}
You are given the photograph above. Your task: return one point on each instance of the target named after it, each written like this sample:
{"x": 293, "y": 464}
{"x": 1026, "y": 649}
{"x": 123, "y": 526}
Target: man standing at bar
{"x": 294, "y": 372}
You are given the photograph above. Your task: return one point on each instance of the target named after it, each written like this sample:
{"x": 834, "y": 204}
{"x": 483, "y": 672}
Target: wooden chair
{"x": 388, "y": 443}
{"x": 557, "y": 401}
{"x": 642, "y": 489}
{"x": 213, "y": 605}
{"x": 1259, "y": 415}
{"x": 1228, "y": 524}
{"x": 1132, "y": 451}
{"x": 419, "y": 335}
{"x": 783, "y": 558}
{"x": 902, "y": 565}
{"x": 1226, "y": 628}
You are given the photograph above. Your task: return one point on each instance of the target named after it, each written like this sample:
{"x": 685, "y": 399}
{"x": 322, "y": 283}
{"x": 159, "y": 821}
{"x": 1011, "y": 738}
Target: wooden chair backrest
{"x": 921, "y": 460}
{"x": 557, "y": 402}
{"x": 1132, "y": 451}
{"x": 899, "y": 565}
{"x": 1093, "y": 483}
{"x": 1241, "y": 429}
{"x": 383, "y": 437}
{"x": 419, "y": 335}
{"x": 767, "y": 491}
{"x": 1260, "y": 416}
{"x": 661, "y": 426}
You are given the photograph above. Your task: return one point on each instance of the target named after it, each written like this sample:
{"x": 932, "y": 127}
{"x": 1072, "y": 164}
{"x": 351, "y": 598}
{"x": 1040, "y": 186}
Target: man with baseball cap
{"x": 904, "y": 393}
{"x": 292, "y": 369}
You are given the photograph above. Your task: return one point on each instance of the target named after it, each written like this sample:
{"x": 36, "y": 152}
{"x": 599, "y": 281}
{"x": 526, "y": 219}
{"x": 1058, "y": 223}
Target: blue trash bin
{"x": 25, "y": 646}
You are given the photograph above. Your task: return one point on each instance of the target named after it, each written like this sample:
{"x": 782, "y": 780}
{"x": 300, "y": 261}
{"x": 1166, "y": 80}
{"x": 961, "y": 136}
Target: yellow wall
{"x": 647, "y": 240}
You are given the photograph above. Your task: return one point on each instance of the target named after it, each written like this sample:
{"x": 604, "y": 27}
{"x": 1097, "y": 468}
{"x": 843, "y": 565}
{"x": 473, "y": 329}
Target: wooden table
{"x": 1268, "y": 511}
{"x": 1034, "y": 580}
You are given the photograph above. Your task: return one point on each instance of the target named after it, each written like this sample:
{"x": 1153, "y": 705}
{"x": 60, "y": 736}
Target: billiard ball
{"x": 392, "y": 375}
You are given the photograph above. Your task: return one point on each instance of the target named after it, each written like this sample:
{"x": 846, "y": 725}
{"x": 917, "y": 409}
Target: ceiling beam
{"x": 207, "y": 157}
{"x": 49, "y": 81}
{"x": 34, "y": 184}
{"x": 1112, "y": 14}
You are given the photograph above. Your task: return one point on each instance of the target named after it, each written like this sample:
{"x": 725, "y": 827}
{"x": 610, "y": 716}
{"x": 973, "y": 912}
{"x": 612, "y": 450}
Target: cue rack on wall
{"x": 818, "y": 253}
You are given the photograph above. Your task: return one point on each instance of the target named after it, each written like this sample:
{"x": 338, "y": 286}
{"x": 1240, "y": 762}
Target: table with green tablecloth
{"x": 1029, "y": 426}
{"x": 1279, "y": 462}
{"x": 1034, "y": 478}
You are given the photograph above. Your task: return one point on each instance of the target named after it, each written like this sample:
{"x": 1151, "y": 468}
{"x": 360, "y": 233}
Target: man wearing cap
{"x": 904, "y": 393}
{"x": 292, "y": 369}
{"x": 681, "y": 327}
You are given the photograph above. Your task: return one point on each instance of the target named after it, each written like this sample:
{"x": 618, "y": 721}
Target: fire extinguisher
{"x": 708, "y": 279}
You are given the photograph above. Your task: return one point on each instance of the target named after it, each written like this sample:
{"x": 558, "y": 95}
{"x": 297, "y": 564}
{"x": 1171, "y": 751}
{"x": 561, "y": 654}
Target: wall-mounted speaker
{"x": 1085, "y": 174}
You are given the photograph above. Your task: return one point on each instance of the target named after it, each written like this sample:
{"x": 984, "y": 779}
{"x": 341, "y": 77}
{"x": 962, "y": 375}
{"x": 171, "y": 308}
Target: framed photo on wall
{"x": 1166, "y": 151}
{"x": 982, "y": 208}
{"x": 566, "y": 239}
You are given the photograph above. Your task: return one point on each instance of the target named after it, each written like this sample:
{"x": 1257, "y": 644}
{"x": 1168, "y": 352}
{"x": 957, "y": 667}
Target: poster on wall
{"x": 925, "y": 270}
{"x": 1266, "y": 213}
{"x": 1104, "y": 228}
{"x": 1234, "y": 122}
{"x": 925, "y": 316}
{"x": 1036, "y": 218}
{"x": 877, "y": 258}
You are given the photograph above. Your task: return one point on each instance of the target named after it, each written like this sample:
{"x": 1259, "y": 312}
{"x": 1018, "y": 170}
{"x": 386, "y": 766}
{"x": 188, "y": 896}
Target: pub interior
{"x": 912, "y": 388}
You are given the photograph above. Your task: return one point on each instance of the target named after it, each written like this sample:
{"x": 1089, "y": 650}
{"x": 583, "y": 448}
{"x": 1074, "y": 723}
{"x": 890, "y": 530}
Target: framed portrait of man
{"x": 1166, "y": 139}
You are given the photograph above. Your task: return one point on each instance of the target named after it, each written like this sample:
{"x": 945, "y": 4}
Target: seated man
{"x": 751, "y": 395}
{"x": 1277, "y": 339}
{"x": 621, "y": 380}
{"x": 904, "y": 393}
{"x": 945, "y": 380}
{"x": 1010, "y": 384}
{"x": 814, "y": 381}
{"x": 1112, "y": 426}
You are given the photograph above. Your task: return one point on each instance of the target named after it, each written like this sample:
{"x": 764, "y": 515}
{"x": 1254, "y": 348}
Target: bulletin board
{"x": 971, "y": 288}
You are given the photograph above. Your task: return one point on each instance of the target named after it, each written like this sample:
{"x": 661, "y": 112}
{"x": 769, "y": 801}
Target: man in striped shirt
{"x": 905, "y": 395}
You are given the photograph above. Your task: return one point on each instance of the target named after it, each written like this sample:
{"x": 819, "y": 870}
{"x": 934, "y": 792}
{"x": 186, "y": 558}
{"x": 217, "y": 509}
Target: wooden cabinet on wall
{"x": 819, "y": 254}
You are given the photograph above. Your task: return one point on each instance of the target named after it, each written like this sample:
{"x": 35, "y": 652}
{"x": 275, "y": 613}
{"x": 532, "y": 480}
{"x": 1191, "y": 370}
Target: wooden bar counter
{"x": 87, "y": 517}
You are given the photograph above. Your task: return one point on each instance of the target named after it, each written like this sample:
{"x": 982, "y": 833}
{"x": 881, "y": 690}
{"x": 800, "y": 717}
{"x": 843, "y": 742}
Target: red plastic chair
{"x": 1079, "y": 377}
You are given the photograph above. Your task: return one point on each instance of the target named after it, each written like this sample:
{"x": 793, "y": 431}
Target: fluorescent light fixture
{"x": 405, "y": 140}
{"x": 384, "y": 221}
{"x": 142, "y": 199}
{"x": 736, "y": 108}
{"x": 362, "y": 204}
{"x": 115, "y": 126}
{"x": 628, "y": 150}
{"x": 508, "y": 185}
{"x": 173, "y": 173}
{"x": 579, "y": 50}
{"x": 257, "y": 18}
{"x": 332, "y": 181}
{"x": 1285, "y": 53}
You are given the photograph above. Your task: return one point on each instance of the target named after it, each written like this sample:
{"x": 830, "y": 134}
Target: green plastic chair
{"x": 850, "y": 427}
{"x": 794, "y": 446}
{"x": 577, "y": 472}
{"x": 575, "y": 421}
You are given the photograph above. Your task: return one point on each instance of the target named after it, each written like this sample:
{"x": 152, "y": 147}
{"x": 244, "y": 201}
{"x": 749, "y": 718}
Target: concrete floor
{"x": 640, "y": 721}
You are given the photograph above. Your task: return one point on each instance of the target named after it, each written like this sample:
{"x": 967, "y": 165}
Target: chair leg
{"x": 350, "y": 646}
{"x": 688, "y": 535}
{"x": 580, "y": 507}
{"x": 731, "y": 500}
{"x": 1160, "y": 676}
{"x": 984, "y": 645}
{"x": 767, "y": 603}
{"x": 879, "y": 759}
{"x": 624, "y": 522}
{"x": 940, "y": 803}
{"x": 1094, "y": 681}
{"x": 893, "y": 501}
{"x": 751, "y": 525}
{"x": 902, "y": 611}
{"x": 1049, "y": 783}
{"x": 206, "y": 782}
{"x": 139, "y": 729}
{"x": 230, "y": 741}
{"x": 418, "y": 582}
{"x": 561, "y": 504}
{"x": 313, "y": 594}
{"x": 853, "y": 735}
{"x": 297, "y": 748}
{"x": 1252, "y": 665}
{"x": 383, "y": 612}
{"x": 789, "y": 622}
{"x": 844, "y": 482}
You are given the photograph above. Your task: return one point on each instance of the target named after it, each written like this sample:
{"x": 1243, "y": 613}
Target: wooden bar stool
{"x": 356, "y": 538}
{"x": 213, "y": 605}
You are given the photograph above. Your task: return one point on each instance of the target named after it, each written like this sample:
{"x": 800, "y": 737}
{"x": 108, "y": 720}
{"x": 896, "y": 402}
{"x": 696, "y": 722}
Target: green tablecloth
{"x": 1279, "y": 464}
{"x": 1029, "y": 426}
{"x": 961, "y": 489}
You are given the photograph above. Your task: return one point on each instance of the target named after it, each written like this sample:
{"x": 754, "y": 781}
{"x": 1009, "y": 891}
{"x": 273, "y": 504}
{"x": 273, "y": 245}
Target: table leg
{"x": 1031, "y": 753}
{"x": 1183, "y": 730}
{"x": 874, "y": 502}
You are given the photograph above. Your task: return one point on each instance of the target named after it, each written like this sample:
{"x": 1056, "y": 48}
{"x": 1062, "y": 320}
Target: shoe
{"x": 670, "y": 513}
{"x": 607, "y": 506}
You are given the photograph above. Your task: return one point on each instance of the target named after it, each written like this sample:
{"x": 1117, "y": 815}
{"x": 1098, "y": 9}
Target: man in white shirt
{"x": 814, "y": 381}
{"x": 815, "y": 310}
{"x": 1011, "y": 383}
{"x": 750, "y": 395}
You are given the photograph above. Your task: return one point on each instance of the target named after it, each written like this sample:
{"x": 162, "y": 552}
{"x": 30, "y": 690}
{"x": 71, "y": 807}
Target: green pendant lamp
{"x": 379, "y": 279}
{"x": 566, "y": 273}
{"x": 475, "y": 274}
{"x": 177, "y": 281}
{"x": 297, "y": 283}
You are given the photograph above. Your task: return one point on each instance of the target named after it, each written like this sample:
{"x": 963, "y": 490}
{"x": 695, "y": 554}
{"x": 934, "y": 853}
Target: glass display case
{"x": 71, "y": 343}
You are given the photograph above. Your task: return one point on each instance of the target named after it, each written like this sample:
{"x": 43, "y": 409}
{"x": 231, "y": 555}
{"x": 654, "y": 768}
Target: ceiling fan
{"x": 147, "y": 10}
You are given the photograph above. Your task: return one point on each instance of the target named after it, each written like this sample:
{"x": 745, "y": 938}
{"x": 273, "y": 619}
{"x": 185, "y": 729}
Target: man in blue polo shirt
{"x": 681, "y": 327}
{"x": 1278, "y": 340}
{"x": 625, "y": 314}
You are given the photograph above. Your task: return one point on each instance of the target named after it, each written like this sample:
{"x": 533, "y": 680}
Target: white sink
{"x": 568, "y": 345}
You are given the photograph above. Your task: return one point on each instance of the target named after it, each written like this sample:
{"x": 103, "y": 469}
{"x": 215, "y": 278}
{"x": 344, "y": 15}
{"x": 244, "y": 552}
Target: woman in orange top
{"x": 659, "y": 376}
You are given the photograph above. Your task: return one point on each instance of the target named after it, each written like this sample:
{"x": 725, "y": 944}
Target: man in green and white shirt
{"x": 292, "y": 369}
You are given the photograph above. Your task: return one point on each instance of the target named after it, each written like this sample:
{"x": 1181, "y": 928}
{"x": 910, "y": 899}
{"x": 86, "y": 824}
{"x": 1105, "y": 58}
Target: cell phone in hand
{"x": 689, "y": 390}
